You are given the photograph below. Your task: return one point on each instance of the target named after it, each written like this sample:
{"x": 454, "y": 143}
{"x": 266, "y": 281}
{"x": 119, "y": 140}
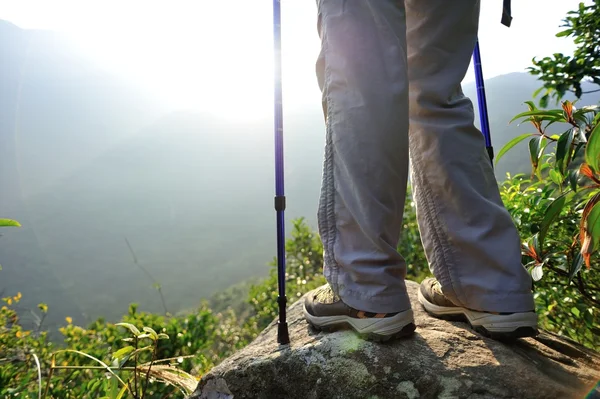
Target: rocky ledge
{"x": 441, "y": 360}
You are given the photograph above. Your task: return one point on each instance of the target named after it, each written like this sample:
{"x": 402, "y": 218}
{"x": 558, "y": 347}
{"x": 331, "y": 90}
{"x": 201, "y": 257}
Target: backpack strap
{"x": 506, "y": 14}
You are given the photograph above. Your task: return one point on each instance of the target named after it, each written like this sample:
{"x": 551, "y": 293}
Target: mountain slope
{"x": 86, "y": 161}
{"x": 505, "y": 96}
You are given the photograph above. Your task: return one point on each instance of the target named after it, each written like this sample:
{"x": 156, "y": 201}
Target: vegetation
{"x": 105, "y": 359}
{"x": 556, "y": 209}
{"x": 143, "y": 356}
{"x": 9, "y": 223}
{"x": 561, "y": 73}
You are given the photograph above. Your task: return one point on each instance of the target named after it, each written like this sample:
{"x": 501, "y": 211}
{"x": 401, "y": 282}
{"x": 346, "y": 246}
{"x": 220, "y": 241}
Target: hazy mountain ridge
{"x": 47, "y": 87}
{"x": 87, "y": 160}
{"x": 506, "y": 96}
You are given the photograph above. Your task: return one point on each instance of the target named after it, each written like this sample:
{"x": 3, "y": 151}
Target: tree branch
{"x": 590, "y": 91}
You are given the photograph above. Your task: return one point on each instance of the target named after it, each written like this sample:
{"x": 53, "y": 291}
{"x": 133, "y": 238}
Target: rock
{"x": 441, "y": 360}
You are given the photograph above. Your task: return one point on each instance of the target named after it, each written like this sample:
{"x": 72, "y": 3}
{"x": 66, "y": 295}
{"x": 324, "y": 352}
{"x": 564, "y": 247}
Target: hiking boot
{"x": 325, "y": 311}
{"x": 500, "y": 326}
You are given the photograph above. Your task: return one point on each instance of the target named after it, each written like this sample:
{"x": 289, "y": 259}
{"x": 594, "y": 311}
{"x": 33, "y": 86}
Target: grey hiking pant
{"x": 390, "y": 73}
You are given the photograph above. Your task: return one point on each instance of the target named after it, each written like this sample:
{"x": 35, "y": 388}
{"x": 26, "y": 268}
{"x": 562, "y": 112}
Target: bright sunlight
{"x": 216, "y": 56}
{"x": 203, "y": 55}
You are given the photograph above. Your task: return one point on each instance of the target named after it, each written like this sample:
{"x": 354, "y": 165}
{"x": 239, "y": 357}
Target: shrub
{"x": 174, "y": 346}
{"x": 557, "y": 211}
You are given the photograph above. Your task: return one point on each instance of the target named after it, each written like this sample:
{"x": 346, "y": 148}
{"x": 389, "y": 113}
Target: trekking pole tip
{"x": 283, "y": 335}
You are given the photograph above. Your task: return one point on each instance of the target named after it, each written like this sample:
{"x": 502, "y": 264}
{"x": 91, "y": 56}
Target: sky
{"x": 217, "y": 55}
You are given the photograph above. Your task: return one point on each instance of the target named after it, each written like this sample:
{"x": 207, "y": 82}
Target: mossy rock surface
{"x": 442, "y": 360}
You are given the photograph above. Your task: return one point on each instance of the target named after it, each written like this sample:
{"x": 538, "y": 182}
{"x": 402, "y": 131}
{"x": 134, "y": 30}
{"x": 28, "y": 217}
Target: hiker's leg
{"x": 470, "y": 240}
{"x": 362, "y": 73}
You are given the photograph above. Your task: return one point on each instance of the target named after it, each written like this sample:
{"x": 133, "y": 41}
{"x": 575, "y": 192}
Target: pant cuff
{"x": 512, "y": 303}
{"x": 376, "y": 304}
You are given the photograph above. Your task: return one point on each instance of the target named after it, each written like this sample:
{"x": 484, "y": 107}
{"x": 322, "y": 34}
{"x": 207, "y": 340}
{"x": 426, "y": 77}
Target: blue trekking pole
{"x": 282, "y": 327}
{"x": 481, "y": 101}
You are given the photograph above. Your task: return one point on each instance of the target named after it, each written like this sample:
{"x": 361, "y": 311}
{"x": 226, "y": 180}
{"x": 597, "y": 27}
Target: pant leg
{"x": 471, "y": 243}
{"x": 362, "y": 73}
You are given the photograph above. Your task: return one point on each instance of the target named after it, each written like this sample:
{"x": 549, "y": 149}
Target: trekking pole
{"x": 506, "y": 20}
{"x": 481, "y": 101}
{"x": 282, "y": 327}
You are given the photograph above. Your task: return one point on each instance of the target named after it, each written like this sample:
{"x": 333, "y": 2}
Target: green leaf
{"x": 535, "y": 94}
{"x": 575, "y": 266}
{"x": 545, "y": 166}
{"x": 593, "y": 226}
{"x": 578, "y": 148}
{"x": 563, "y": 150}
{"x": 587, "y": 109}
{"x": 130, "y": 326}
{"x": 592, "y": 150}
{"x": 511, "y": 144}
{"x": 152, "y": 333}
{"x": 580, "y": 117}
{"x": 93, "y": 385}
{"x": 132, "y": 354}
{"x": 114, "y": 387}
{"x": 596, "y": 119}
{"x": 122, "y": 392}
{"x": 9, "y": 223}
{"x": 556, "y": 177}
{"x": 575, "y": 311}
{"x": 121, "y": 353}
{"x": 536, "y": 148}
{"x": 163, "y": 336}
{"x": 572, "y": 179}
{"x": 550, "y": 215}
{"x": 531, "y": 104}
{"x": 542, "y": 114}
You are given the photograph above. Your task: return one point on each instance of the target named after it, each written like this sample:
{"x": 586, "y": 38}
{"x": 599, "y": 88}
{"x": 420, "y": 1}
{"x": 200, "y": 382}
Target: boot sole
{"x": 377, "y": 330}
{"x": 498, "y": 327}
